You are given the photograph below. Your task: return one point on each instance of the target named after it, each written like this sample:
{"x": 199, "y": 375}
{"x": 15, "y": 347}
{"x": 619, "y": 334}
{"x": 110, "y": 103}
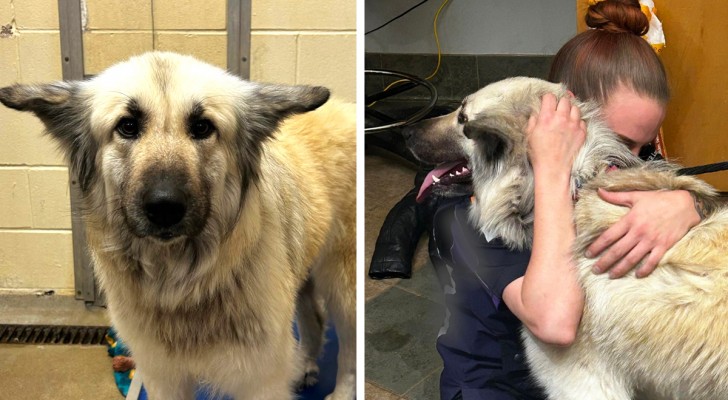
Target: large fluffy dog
{"x": 213, "y": 214}
{"x": 660, "y": 337}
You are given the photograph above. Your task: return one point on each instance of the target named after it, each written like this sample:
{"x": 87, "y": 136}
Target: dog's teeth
{"x": 458, "y": 173}
{"x": 435, "y": 179}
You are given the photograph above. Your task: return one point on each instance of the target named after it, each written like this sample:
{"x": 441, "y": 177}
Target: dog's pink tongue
{"x": 439, "y": 171}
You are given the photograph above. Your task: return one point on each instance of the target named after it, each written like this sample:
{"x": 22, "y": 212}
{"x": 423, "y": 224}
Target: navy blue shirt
{"x": 480, "y": 340}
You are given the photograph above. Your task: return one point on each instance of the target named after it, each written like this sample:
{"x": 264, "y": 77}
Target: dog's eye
{"x": 128, "y": 128}
{"x": 201, "y": 129}
{"x": 462, "y": 118}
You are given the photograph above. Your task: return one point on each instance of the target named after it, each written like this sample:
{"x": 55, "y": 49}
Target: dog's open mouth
{"x": 443, "y": 175}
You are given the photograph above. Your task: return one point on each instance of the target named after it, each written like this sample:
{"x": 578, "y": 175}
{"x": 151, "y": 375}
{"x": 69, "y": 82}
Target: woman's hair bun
{"x": 618, "y": 16}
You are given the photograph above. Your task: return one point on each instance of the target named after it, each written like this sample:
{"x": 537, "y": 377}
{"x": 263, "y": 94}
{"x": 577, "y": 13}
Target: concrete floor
{"x": 403, "y": 316}
{"x": 45, "y": 372}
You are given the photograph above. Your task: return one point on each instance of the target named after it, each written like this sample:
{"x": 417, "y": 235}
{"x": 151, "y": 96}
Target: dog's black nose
{"x": 165, "y": 204}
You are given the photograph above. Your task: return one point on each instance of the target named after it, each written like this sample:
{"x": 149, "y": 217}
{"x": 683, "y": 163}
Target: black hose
{"x": 704, "y": 169}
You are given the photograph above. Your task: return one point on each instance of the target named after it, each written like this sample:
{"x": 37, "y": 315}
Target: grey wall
{"x": 471, "y": 26}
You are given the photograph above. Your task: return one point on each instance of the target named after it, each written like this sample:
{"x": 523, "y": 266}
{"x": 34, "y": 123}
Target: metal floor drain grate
{"x": 52, "y": 334}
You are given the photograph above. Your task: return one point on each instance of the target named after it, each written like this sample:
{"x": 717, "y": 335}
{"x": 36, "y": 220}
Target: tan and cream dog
{"x": 661, "y": 337}
{"x": 217, "y": 210}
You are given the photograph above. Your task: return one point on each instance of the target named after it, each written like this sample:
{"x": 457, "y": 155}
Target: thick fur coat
{"x": 661, "y": 337}
{"x": 215, "y": 209}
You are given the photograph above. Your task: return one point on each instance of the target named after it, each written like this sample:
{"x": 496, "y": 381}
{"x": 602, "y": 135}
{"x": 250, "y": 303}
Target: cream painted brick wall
{"x": 6, "y": 12}
{"x": 15, "y": 198}
{"x": 331, "y": 53}
{"x": 40, "y": 57}
{"x": 9, "y": 63}
{"x": 23, "y": 141}
{"x": 36, "y": 14}
{"x": 36, "y": 260}
{"x": 210, "y": 47}
{"x": 324, "y": 35}
{"x": 119, "y": 15}
{"x": 304, "y": 15}
{"x": 50, "y": 200}
{"x": 273, "y": 57}
{"x": 189, "y": 14}
{"x": 33, "y": 181}
{"x": 104, "y": 49}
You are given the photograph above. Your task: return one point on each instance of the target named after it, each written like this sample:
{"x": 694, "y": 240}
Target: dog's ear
{"x": 263, "y": 107}
{"x": 43, "y": 100}
{"x": 65, "y": 117}
{"x": 266, "y": 105}
{"x": 492, "y": 143}
{"x": 280, "y": 101}
{"x": 50, "y": 102}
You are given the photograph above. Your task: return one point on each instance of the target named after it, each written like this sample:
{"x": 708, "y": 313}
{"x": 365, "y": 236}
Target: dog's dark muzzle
{"x": 435, "y": 140}
{"x": 415, "y": 135}
{"x": 167, "y": 207}
{"x": 410, "y": 131}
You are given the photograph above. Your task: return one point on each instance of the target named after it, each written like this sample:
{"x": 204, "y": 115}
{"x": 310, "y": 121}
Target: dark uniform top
{"x": 480, "y": 340}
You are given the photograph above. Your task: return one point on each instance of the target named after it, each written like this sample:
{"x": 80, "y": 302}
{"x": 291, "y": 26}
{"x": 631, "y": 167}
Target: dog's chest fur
{"x": 193, "y": 312}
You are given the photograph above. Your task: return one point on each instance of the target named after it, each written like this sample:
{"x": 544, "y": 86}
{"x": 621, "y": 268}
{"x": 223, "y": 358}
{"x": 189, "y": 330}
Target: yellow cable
{"x": 439, "y": 52}
{"x": 437, "y": 40}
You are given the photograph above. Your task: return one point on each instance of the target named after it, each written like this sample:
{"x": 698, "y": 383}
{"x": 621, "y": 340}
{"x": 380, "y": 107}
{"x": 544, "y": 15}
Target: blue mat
{"x": 326, "y": 362}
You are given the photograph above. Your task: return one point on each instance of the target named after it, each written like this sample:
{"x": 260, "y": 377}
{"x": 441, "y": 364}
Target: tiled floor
{"x": 403, "y": 316}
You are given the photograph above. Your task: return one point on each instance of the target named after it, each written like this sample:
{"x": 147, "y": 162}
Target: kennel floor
{"x": 83, "y": 372}
{"x": 49, "y": 372}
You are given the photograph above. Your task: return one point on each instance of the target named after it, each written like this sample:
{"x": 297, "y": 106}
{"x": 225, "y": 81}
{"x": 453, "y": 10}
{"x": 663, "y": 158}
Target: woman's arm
{"x": 548, "y": 298}
{"x": 655, "y": 222}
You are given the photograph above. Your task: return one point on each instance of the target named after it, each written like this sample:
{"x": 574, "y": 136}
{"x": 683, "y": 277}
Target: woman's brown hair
{"x": 595, "y": 62}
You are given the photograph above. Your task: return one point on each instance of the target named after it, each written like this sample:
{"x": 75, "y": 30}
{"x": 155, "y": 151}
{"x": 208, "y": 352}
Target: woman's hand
{"x": 655, "y": 222}
{"x": 555, "y": 136}
{"x": 548, "y": 299}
